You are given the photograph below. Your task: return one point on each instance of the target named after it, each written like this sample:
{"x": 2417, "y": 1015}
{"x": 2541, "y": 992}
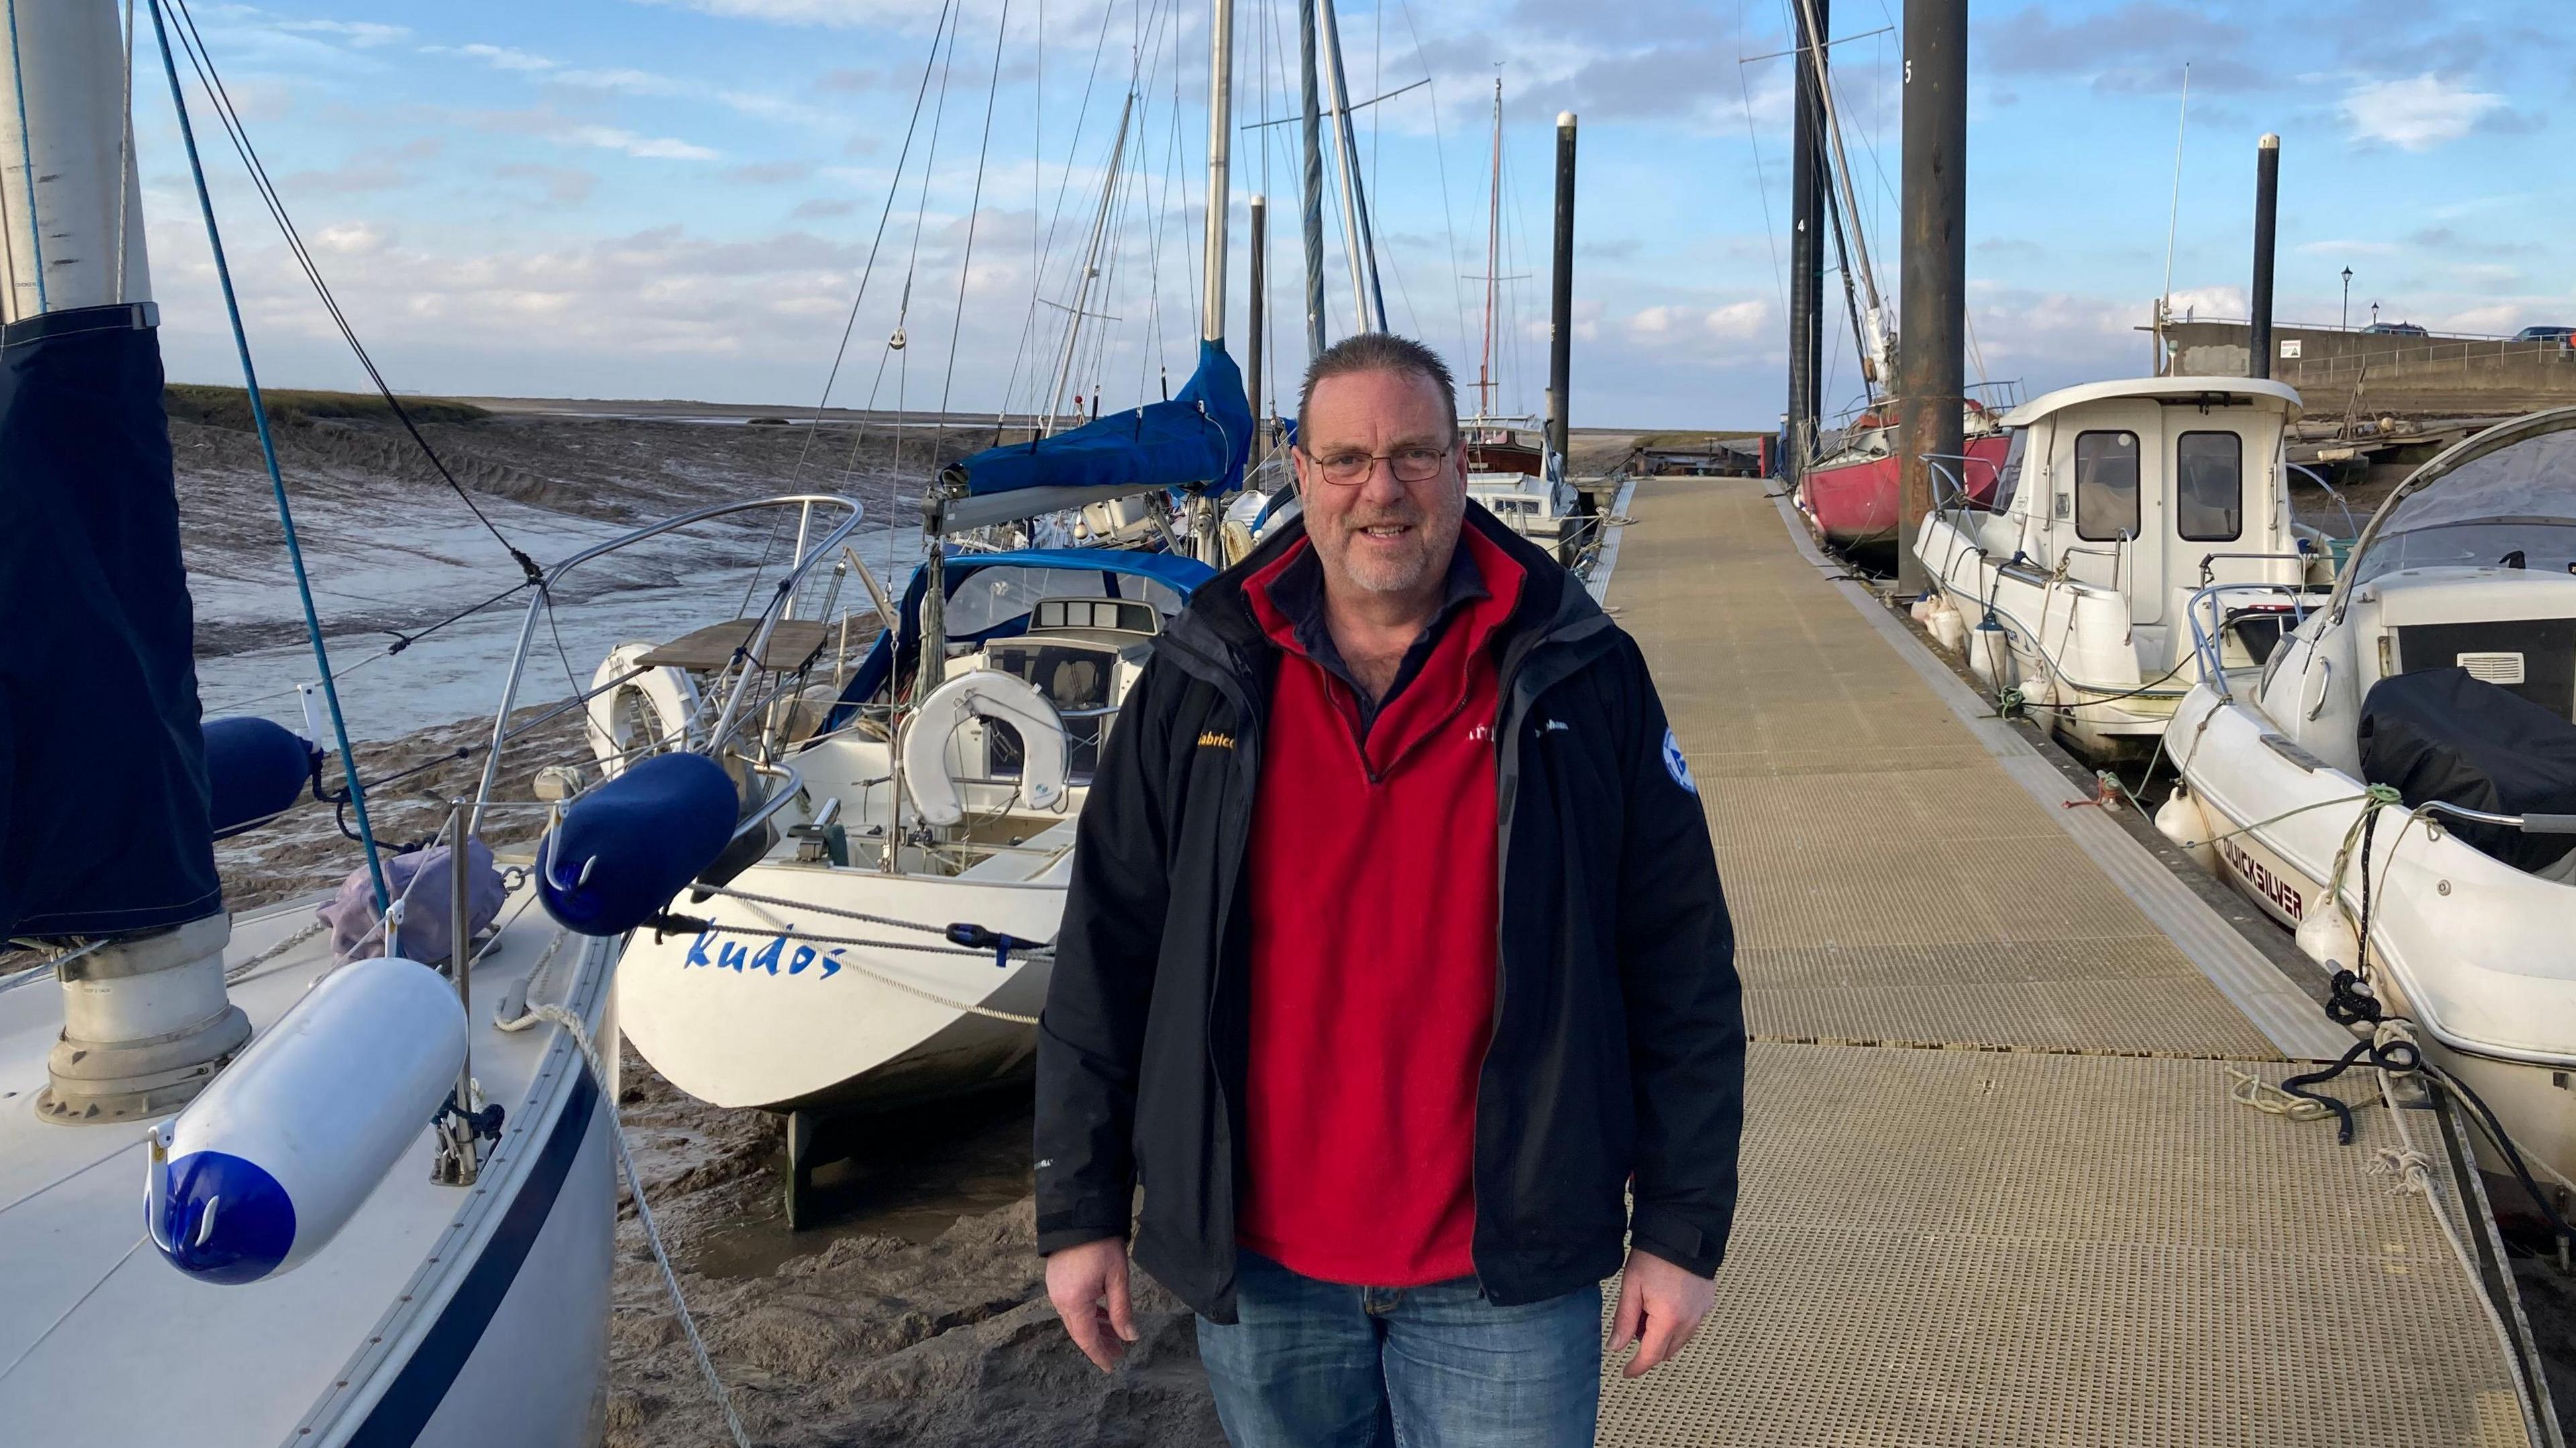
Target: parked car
{"x": 2564, "y": 335}
{"x": 2396, "y": 329}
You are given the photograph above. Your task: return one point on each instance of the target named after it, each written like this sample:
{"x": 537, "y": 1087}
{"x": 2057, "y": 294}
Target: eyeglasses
{"x": 1410, "y": 465}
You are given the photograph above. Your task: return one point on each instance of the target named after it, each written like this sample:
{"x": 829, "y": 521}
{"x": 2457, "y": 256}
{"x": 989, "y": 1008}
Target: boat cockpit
{"x": 2469, "y": 566}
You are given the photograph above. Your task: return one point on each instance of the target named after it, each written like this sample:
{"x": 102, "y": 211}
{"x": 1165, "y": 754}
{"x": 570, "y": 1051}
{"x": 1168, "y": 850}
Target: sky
{"x": 746, "y": 200}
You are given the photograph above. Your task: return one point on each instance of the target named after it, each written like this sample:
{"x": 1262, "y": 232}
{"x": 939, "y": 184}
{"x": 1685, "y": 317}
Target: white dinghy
{"x": 2115, "y": 502}
{"x": 2402, "y": 770}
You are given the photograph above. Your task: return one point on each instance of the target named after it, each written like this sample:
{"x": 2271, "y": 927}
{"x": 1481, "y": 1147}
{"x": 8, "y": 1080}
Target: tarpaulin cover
{"x": 419, "y": 880}
{"x": 103, "y": 796}
{"x": 2443, "y": 734}
{"x": 1200, "y": 437}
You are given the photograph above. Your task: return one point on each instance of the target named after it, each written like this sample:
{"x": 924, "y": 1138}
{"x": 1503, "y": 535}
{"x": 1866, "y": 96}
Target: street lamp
{"x": 2374, "y": 314}
{"x": 2346, "y": 323}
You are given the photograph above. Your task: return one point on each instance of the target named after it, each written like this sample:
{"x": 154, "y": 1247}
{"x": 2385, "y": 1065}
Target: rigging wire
{"x": 974, "y": 208}
{"x": 1440, "y": 156}
{"x": 192, "y": 43}
{"x": 1761, "y": 181}
{"x": 893, "y": 188}
{"x": 1063, "y": 187}
{"x": 268, "y": 450}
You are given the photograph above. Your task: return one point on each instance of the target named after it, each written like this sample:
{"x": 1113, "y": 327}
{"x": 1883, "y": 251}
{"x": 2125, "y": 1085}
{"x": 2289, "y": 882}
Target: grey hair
{"x": 1379, "y": 352}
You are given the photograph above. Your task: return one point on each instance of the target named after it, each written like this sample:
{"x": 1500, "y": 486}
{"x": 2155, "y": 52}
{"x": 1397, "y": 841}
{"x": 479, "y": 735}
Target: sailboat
{"x": 378, "y": 1194}
{"x": 1512, "y": 472}
{"x": 890, "y": 942}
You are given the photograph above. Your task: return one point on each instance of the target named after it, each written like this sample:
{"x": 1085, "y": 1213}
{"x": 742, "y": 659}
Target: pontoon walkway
{"x": 1995, "y": 1191}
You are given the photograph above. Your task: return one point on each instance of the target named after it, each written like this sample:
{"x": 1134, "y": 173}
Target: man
{"x": 1394, "y": 963}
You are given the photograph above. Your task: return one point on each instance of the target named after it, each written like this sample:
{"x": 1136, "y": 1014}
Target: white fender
{"x": 2181, "y": 820}
{"x": 1948, "y": 629}
{"x": 264, "y": 1168}
{"x": 619, "y": 720}
{"x": 2325, "y": 937}
{"x": 981, "y": 694}
{"x": 1990, "y": 656}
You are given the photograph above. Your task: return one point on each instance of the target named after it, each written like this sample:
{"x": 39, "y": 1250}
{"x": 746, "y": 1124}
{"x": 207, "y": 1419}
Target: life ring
{"x": 981, "y": 694}
{"x": 627, "y": 714}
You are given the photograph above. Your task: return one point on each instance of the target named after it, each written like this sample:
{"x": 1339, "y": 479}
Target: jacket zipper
{"x": 1509, "y": 715}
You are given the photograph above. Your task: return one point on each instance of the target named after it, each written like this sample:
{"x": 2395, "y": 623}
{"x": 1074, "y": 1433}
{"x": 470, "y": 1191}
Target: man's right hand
{"x": 1088, "y": 1285}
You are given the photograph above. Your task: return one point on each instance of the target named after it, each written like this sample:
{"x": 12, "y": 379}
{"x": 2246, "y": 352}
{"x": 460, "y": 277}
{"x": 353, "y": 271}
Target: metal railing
{"x": 543, "y": 600}
{"x": 2208, "y": 648}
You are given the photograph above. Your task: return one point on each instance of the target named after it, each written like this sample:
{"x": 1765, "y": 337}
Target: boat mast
{"x": 1312, "y": 213}
{"x": 1367, "y": 298}
{"x": 1875, "y": 357}
{"x": 1807, "y": 188}
{"x": 1211, "y": 542}
{"x": 1090, "y": 270}
{"x": 1220, "y": 159}
{"x": 1493, "y": 271}
{"x": 71, "y": 209}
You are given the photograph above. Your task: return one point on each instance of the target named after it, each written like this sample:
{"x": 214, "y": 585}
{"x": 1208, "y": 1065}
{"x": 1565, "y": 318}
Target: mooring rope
{"x": 573, "y": 1026}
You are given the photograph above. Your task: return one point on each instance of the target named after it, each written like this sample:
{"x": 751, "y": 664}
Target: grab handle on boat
{"x": 2528, "y": 823}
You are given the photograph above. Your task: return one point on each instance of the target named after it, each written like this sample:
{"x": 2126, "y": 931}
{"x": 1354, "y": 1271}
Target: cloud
{"x": 660, "y": 148}
{"x": 560, "y": 186}
{"x": 362, "y": 34}
{"x": 352, "y": 238}
{"x": 1732, "y": 322}
{"x": 823, "y": 209}
{"x": 836, "y": 13}
{"x": 2137, "y": 48}
{"x": 375, "y": 169}
{"x": 769, "y": 173}
{"x": 2415, "y": 114}
{"x": 498, "y": 57}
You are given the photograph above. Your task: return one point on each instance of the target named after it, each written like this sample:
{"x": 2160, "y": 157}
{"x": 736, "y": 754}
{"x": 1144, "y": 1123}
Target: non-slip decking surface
{"x": 1994, "y": 1189}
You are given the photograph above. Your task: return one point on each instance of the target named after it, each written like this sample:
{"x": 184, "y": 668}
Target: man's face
{"x": 1380, "y": 533}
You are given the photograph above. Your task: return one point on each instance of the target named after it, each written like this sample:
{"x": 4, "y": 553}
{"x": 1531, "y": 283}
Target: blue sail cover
{"x": 103, "y": 794}
{"x": 1201, "y": 437}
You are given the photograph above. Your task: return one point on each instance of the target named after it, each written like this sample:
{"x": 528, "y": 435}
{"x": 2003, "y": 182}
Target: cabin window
{"x": 2106, "y": 485}
{"x": 2209, "y": 487}
{"x": 2007, "y": 477}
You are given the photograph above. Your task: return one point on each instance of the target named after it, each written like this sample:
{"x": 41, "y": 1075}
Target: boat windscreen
{"x": 2512, "y": 507}
{"x": 992, "y": 597}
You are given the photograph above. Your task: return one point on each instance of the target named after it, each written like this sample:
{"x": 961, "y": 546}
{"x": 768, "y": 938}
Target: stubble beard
{"x": 1375, "y": 572}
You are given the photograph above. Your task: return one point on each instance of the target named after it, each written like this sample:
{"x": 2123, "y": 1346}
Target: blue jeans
{"x": 1316, "y": 1364}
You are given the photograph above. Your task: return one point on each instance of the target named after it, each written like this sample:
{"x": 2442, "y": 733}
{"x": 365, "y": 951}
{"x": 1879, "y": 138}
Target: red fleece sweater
{"x": 1373, "y": 954}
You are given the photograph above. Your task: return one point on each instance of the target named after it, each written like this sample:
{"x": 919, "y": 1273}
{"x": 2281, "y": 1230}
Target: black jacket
{"x": 1618, "y": 1044}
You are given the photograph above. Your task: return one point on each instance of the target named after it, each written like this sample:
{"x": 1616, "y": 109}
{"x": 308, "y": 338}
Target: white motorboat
{"x": 2441, "y": 675}
{"x": 890, "y": 947}
{"x": 2115, "y": 502}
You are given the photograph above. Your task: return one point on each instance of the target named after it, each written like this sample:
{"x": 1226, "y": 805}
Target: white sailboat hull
{"x": 745, "y": 1020}
{"x": 440, "y": 1316}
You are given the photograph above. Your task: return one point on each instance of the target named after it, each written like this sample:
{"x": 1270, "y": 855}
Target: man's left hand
{"x": 1660, "y": 1306}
